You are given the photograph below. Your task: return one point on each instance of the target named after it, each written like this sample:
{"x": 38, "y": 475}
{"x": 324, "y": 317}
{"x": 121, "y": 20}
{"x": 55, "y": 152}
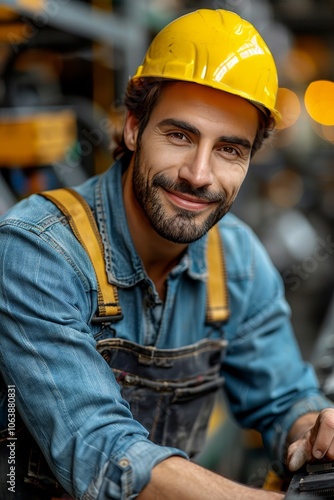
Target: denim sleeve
{"x": 267, "y": 382}
{"x": 66, "y": 393}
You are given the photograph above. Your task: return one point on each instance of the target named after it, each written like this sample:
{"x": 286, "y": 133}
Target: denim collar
{"x": 123, "y": 264}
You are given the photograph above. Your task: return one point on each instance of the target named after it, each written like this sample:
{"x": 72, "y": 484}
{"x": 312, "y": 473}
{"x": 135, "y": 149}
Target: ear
{"x": 130, "y": 132}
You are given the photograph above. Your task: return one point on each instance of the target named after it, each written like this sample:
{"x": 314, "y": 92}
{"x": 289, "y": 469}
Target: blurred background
{"x": 63, "y": 69}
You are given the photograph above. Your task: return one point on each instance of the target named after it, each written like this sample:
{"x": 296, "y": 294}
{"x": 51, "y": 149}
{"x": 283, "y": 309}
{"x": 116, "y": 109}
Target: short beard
{"x": 182, "y": 226}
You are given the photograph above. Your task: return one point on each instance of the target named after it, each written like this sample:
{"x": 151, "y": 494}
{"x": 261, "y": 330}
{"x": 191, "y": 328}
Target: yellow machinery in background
{"x": 36, "y": 139}
{"x": 10, "y": 27}
{"x": 30, "y": 137}
{"x": 60, "y": 63}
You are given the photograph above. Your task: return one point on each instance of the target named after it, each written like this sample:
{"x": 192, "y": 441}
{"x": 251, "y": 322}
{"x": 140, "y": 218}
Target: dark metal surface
{"x": 314, "y": 481}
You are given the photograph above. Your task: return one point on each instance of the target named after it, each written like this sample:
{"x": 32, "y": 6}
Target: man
{"x": 199, "y": 107}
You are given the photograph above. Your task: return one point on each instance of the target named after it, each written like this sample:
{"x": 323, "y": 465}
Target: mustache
{"x": 183, "y": 187}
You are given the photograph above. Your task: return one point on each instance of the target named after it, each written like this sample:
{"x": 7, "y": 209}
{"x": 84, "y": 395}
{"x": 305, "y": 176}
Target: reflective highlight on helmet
{"x": 218, "y": 49}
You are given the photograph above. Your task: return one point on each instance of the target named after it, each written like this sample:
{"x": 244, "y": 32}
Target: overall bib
{"x": 171, "y": 392}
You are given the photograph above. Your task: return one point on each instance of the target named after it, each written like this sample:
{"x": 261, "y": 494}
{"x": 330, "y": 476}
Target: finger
{"x": 324, "y": 438}
{"x": 297, "y": 458}
{"x": 324, "y": 451}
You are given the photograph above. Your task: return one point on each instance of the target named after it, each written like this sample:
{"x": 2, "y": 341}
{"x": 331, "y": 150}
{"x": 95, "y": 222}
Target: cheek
{"x": 160, "y": 159}
{"x": 147, "y": 165}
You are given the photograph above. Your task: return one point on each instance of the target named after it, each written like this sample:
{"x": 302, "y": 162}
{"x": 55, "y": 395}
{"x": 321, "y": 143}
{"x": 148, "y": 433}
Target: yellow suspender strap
{"x": 217, "y": 295}
{"x": 84, "y": 227}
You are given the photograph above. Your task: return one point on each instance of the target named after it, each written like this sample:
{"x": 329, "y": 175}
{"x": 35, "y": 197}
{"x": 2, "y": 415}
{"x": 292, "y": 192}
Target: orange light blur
{"x": 299, "y": 66}
{"x": 319, "y": 101}
{"x": 285, "y": 188}
{"x": 288, "y": 105}
{"x": 33, "y": 5}
{"x": 328, "y": 133}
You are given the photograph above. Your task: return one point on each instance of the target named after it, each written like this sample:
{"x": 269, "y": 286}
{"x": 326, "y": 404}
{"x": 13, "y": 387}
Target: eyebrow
{"x": 230, "y": 139}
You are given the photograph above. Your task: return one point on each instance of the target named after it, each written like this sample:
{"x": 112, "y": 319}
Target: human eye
{"x": 232, "y": 152}
{"x": 178, "y": 137}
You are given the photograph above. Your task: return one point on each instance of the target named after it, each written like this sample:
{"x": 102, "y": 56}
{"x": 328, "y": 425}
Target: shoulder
{"x": 35, "y": 228}
{"x": 36, "y": 211}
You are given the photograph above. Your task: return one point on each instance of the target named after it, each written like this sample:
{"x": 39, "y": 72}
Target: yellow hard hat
{"x": 218, "y": 49}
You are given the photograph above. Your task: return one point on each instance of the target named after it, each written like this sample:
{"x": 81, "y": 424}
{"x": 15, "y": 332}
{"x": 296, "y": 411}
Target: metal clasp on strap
{"x": 107, "y": 319}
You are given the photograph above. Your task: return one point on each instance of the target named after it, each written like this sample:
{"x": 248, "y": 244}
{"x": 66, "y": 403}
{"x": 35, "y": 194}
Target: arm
{"x": 66, "y": 392}
{"x": 269, "y": 385}
{"x": 184, "y": 480}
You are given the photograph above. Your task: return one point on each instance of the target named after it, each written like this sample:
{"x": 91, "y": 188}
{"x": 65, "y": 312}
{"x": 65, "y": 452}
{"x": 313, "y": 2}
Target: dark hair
{"x": 142, "y": 96}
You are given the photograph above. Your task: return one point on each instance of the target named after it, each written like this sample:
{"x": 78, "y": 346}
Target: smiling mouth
{"x": 187, "y": 202}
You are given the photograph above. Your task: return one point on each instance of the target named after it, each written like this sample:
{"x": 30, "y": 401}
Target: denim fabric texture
{"x": 66, "y": 393}
{"x": 170, "y": 391}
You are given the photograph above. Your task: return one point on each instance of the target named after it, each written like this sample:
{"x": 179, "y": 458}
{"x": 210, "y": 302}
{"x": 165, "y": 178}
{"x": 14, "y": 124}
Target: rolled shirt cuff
{"x": 126, "y": 475}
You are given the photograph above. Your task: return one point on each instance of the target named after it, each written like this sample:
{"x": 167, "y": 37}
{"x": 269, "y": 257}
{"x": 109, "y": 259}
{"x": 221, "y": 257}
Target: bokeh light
{"x": 285, "y": 188}
{"x": 319, "y": 101}
{"x": 288, "y": 105}
{"x": 328, "y": 133}
{"x": 298, "y": 66}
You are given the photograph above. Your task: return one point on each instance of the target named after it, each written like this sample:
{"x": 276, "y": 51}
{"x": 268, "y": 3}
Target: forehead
{"x": 206, "y": 107}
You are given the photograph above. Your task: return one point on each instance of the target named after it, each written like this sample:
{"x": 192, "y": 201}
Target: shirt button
{"x": 124, "y": 462}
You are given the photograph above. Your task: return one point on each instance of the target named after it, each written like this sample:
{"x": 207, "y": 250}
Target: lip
{"x": 187, "y": 202}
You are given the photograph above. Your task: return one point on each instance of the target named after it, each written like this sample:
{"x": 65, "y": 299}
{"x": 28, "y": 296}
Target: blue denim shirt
{"x": 67, "y": 394}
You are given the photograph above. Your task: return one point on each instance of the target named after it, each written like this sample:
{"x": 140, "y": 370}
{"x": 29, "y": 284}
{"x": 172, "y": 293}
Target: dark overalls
{"x": 171, "y": 392}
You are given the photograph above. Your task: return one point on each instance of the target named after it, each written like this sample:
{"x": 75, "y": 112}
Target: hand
{"x": 315, "y": 444}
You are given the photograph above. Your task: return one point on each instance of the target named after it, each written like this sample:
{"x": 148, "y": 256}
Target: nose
{"x": 197, "y": 168}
